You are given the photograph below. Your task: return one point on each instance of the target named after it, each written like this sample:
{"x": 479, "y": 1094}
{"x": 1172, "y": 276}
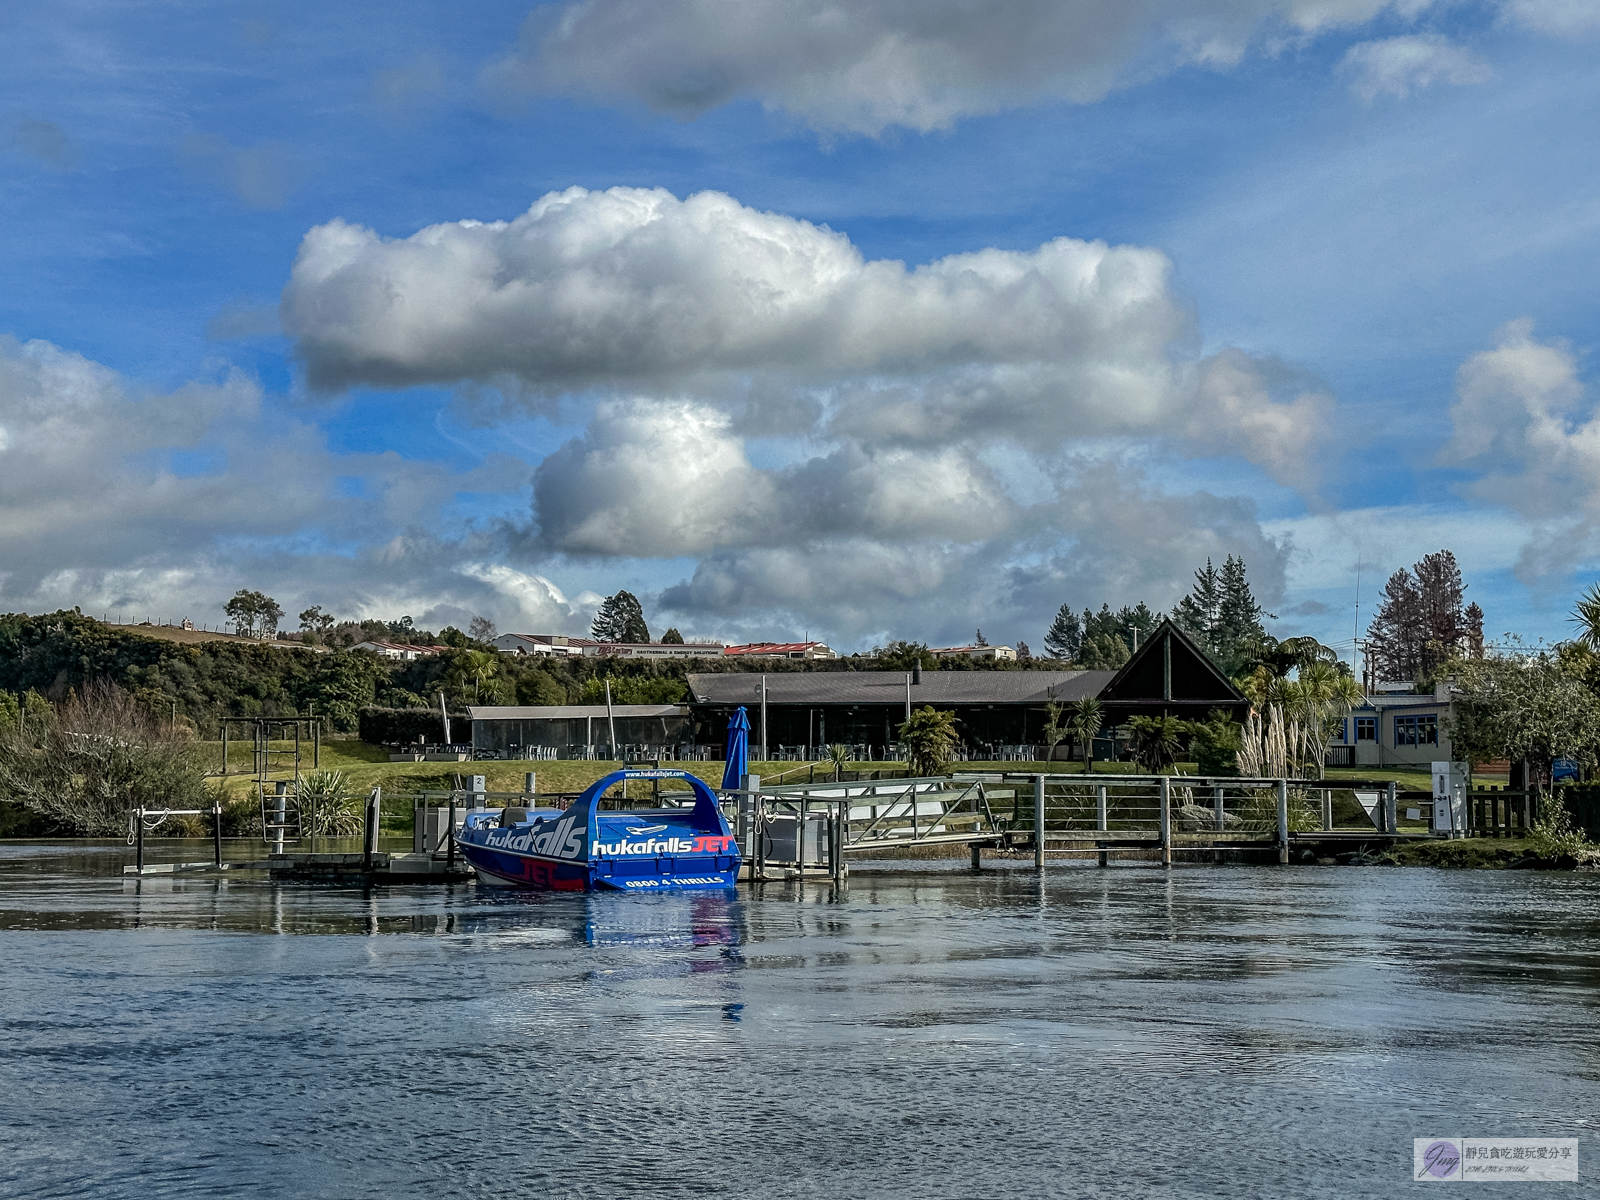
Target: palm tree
{"x": 1586, "y": 616}
{"x": 1157, "y": 741}
{"x": 1083, "y": 725}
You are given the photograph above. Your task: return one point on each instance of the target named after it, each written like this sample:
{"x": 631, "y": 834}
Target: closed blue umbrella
{"x": 738, "y": 750}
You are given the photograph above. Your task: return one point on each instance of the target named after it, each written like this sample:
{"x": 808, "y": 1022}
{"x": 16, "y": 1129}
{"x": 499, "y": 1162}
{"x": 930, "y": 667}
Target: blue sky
{"x": 1343, "y": 310}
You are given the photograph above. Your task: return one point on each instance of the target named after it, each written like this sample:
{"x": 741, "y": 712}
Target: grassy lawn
{"x": 367, "y": 765}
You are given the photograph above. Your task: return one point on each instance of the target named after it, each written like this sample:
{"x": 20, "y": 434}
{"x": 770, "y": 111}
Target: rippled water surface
{"x": 927, "y": 1032}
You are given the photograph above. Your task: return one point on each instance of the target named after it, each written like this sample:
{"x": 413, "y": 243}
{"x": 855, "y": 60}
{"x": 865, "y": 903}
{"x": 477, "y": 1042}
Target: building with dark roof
{"x": 1168, "y": 674}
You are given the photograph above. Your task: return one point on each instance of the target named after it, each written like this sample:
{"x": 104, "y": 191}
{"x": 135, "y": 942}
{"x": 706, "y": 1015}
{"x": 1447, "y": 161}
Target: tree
{"x": 1221, "y": 614}
{"x": 1199, "y": 614}
{"x": 1054, "y": 727}
{"x": 1157, "y": 741}
{"x": 620, "y": 619}
{"x": 103, "y": 755}
{"x": 481, "y": 630}
{"x": 979, "y": 639}
{"x": 1103, "y": 652}
{"x": 1586, "y": 616}
{"x": 314, "y": 620}
{"x": 1420, "y": 625}
{"x": 1085, "y": 727}
{"x": 1023, "y": 651}
{"x": 537, "y": 687}
{"x": 672, "y": 637}
{"x": 903, "y": 656}
{"x": 253, "y": 613}
{"x": 1522, "y": 705}
{"x": 1064, "y": 638}
{"x": 929, "y": 737}
{"x": 1215, "y": 743}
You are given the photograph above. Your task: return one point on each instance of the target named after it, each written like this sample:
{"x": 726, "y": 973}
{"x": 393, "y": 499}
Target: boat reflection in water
{"x": 585, "y": 849}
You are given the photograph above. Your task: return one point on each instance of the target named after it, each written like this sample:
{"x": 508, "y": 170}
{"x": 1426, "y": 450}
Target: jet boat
{"x": 585, "y": 848}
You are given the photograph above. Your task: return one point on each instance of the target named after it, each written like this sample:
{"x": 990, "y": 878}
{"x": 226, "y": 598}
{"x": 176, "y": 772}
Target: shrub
{"x": 102, "y": 755}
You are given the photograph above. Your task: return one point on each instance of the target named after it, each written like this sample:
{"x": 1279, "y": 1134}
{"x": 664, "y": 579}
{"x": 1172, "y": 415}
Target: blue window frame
{"x": 1366, "y": 729}
{"x": 1421, "y": 730}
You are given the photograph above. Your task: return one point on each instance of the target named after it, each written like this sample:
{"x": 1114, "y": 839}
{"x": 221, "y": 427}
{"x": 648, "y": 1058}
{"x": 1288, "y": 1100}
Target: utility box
{"x": 781, "y": 834}
{"x": 1451, "y": 782}
{"x": 429, "y": 834}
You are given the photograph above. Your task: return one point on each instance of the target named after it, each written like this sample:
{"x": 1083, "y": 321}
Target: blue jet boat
{"x": 587, "y": 849}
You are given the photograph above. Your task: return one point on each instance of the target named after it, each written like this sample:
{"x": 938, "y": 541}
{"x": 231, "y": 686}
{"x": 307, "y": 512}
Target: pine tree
{"x": 1421, "y": 624}
{"x": 1199, "y": 614}
{"x": 1065, "y": 635}
{"x": 620, "y": 619}
{"x": 1103, "y": 652}
{"x": 1474, "y": 632}
{"x": 672, "y": 637}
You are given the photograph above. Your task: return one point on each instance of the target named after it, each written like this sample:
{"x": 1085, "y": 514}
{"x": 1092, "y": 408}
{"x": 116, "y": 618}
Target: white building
{"x": 812, "y": 650}
{"x": 996, "y": 653}
{"x": 1392, "y": 729}
{"x": 397, "y": 650}
{"x": 558, "y": 644}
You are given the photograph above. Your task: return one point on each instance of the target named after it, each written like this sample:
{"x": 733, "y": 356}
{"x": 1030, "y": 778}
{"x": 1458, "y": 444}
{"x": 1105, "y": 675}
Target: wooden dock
{"x": 380, "y": 867}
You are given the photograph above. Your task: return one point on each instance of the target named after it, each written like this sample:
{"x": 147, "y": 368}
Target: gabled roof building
{"x": 1168, "y": 674}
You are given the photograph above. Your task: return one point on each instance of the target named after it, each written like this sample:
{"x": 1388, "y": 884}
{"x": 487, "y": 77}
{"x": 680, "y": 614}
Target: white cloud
{"x": 1524, "y": 418}
{"x": 863, "y": 67}
{"x": 785, "y": 326}
{"x": 1398, "y": 66}
{"x": 1104, "y": 536}
{"x": 1559, "y": 17}
{"x": 165, "y": 504}
{"x": 651, "y": 479}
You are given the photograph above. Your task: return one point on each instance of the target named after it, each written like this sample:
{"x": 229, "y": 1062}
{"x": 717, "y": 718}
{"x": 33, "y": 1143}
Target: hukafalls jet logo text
{"x": 563, "y": 841}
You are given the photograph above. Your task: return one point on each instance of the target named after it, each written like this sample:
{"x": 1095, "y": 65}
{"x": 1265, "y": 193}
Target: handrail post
{"x": 369, "y": 841}
{"x": 138, "y": 834}
{"x": 1216, "y": 806}
{"x": 1327, "y": 809}
{"x": 1100, "y": 808}
{"x": 450, "y": 837}
{"x": 1166, "y": 820}
{"x": 1038, "y": 822}
{"x": 1391, "y": 809}
{"x": 216, "y": 829}
{"x": 1283, "y": 821}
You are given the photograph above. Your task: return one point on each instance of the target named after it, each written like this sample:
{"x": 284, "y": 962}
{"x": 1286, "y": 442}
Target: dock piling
{"x": 1166, "y": 820}
{"x": 1038, "y": 822}
{"x": 1283, "y": 821}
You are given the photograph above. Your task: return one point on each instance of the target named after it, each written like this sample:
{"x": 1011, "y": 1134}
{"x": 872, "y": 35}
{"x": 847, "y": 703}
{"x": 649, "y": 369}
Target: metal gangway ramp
{"x": 790, "y": 830}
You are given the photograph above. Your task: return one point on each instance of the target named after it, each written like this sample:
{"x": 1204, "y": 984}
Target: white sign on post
{"x": 1450, "y": 783}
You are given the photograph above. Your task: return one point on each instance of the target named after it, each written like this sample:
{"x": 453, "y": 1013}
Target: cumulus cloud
{"x": 1524, "y": 417}
{"x": 651, "y": 479}
{"x": 1104, "y": 535}
{"x": 664, "y": 479}
{"x": 1398, "y": 66}
{"x": 784, "y": 325}
{"x": 863, "y": 67}
{"x": 692, "y": 329}
{"x": 164, "y": 504}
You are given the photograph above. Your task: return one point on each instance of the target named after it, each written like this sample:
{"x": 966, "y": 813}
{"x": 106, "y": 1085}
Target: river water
{"x": 924, "y": 1032}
